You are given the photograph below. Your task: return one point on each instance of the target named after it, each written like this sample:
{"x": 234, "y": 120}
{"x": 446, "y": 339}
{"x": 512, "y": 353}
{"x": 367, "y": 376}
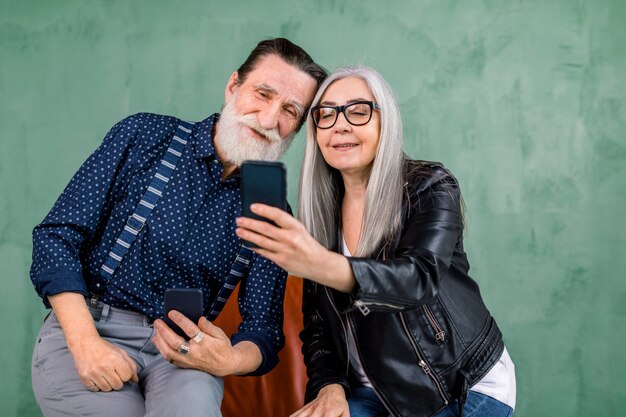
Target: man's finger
{"x": 132, "y": 368}
{"x": 188, "y": 326}
{"x": 102, "y": 383}
{"x": 114, "y": 380}
{"x": 167, "y": 335}
{"x": 211, "y": 329}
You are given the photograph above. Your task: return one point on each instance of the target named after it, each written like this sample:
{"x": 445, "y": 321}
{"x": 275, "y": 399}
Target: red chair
{"x": 281, "y": 391}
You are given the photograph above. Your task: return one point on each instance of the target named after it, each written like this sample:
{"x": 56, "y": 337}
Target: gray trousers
{"x": 163, "y": 389}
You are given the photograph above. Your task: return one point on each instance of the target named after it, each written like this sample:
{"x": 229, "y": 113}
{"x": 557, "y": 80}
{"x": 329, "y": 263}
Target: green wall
{"x": 524, "y": 100}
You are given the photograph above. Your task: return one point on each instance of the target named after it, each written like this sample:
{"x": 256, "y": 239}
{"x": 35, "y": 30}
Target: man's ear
{"x": 231, "y": 86}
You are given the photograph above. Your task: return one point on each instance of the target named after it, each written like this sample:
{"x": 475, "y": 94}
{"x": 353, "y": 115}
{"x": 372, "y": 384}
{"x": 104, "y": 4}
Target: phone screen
{"x": 188, "y": 301}
{"x": 262, "y": 182}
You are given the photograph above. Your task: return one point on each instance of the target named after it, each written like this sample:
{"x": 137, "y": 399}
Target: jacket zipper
{"x": 440, "y": 335}
{"x": 422, "y": 363}
{"x": 350, "y": 327}
{"x": 345, "y": 332}
{"x": 364, "y": 309}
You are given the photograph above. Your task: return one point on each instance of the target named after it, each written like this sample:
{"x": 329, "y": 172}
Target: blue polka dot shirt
{"x": 188, "y": 241}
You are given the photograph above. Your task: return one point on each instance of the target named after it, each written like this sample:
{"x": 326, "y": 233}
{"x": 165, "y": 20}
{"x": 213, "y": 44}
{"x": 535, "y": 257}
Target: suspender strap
{"x": 138, "y": 219}
{"x": 238, "y": 270}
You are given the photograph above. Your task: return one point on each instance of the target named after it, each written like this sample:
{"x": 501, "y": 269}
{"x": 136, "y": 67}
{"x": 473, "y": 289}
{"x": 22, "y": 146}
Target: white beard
{"x": 236, "y": 145}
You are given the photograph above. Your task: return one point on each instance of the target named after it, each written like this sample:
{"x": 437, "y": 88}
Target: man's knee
{"x": 187, "y": 393}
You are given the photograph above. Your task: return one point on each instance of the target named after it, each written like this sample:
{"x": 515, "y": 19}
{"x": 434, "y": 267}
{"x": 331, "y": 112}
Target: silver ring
{"x": 93, "y": 387}
{"x": 183, "y": 349}
{"x": 198, "y": 338}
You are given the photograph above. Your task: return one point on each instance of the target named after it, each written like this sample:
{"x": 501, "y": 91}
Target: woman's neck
{"x": 354, "y": 185}
{"x": 353, "y": 209}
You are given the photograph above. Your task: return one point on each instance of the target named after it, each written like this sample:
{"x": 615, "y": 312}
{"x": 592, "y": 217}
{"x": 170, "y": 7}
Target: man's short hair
{"x": 288, "y": 52}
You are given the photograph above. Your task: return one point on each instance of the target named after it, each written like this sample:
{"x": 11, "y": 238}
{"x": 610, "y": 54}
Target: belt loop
{"x": 105, "y": 312}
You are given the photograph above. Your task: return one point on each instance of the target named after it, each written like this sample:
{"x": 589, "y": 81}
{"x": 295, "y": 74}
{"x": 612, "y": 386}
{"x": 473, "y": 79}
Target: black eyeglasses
{"x": 357, "y": 113}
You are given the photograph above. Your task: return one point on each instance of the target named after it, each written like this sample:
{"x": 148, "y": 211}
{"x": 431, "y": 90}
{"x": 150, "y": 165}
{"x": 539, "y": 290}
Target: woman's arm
{"x": 292, "y": 248}
{"x": 421, "y": 258}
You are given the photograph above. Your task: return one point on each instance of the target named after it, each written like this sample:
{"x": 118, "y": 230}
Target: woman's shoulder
{"x": 422, "y": 176}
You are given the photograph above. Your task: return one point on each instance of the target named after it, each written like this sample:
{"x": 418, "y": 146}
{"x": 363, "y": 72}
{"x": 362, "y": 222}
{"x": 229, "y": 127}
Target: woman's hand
{"x": 209, "y": 349}
{"x": 292, "y": 248}
{"x": 330, "y": 402}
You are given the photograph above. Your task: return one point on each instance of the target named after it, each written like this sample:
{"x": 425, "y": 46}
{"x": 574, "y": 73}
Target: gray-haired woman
{"x": 393, "y": 323}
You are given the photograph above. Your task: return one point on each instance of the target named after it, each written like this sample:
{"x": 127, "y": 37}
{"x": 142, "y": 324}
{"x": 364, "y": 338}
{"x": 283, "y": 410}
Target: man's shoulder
{"x": 148, "y": 122}
{"x": 146, "y": 128}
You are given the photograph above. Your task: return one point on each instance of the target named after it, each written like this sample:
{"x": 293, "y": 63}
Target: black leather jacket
{"x": 423, "y": 333}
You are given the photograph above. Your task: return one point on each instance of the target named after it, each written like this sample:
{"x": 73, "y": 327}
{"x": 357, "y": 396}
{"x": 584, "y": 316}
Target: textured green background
{"x": 524, "y": 100}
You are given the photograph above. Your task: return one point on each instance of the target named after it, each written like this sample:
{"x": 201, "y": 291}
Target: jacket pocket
{"x": 437, "y": 329}
{"x": 421, "y": 361}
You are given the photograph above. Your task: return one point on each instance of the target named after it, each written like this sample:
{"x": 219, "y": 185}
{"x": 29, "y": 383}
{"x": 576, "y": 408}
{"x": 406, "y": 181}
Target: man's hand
{"x": 101, "y": 365}
{"x": 210, "y": 350}
{"x": 330, "y": 402}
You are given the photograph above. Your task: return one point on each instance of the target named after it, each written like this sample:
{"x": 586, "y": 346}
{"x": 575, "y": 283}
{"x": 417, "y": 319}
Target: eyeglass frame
{"x": 341, "y": 109}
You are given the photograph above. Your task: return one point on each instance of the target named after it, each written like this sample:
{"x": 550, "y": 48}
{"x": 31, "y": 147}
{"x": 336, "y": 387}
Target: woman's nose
{"x": 342, "y": 123}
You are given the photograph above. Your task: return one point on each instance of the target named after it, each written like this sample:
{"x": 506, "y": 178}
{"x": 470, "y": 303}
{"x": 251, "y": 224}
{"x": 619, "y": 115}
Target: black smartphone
{"x": 188, "y": 301}
{"x": 263, "y": 182}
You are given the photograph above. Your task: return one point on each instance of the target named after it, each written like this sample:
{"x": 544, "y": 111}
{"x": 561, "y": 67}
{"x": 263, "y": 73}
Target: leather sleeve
{"x": 321, "y": 360}
{"x": 430, "y": 234}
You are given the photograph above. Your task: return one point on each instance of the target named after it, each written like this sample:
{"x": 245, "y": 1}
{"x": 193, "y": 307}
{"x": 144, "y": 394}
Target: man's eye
{"x": 264, "y": 95}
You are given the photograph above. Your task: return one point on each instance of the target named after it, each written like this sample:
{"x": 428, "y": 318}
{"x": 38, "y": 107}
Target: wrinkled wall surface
{"x": 524, "y": 100}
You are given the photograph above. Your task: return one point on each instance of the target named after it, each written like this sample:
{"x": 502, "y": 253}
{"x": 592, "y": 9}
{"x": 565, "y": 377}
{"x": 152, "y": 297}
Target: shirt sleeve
{"x": 261, "y": 297}
{"x": 79, "y": 212}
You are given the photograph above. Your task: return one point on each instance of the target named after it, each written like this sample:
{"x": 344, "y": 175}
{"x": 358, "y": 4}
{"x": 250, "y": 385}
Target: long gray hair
{"x": 321, "y": 186}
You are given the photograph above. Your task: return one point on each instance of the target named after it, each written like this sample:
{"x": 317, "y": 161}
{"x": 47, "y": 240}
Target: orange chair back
{"x": 281, "y": 391}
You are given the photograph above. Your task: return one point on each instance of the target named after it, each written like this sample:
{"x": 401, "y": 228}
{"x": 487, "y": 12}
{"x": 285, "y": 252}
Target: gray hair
{"x": 321, "y": 186}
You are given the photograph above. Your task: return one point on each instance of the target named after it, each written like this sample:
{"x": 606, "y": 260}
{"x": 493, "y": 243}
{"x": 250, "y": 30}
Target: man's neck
{"x": 228, "y": 169}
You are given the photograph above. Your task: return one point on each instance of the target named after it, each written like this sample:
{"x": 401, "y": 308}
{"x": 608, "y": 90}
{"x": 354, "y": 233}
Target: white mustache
{"x": 251, "y": 121}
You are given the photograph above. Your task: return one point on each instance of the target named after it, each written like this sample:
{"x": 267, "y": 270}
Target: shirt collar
{"x": 203, "y": 138}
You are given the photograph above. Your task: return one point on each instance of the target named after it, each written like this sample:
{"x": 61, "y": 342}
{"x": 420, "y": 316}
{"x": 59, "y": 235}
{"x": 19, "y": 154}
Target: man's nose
{"x": 268, "y": 117}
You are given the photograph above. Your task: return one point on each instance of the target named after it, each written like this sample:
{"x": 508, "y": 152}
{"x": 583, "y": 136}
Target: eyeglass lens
{"x": 356, "y": 114}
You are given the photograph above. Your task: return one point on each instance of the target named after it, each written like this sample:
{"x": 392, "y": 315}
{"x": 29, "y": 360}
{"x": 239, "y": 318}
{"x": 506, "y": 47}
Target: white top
{"x": 499, "y": 383}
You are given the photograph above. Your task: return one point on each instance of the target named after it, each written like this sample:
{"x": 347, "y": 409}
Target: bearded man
{"x": 154, "y": 208}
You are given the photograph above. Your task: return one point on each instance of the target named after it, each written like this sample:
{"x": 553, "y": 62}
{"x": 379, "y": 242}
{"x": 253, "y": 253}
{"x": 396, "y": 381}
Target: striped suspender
{"x": 136, "y": 221}
{"x": 239, "y": 268}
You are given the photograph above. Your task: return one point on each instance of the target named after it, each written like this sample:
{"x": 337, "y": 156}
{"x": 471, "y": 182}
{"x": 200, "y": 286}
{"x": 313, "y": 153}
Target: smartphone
{"x": 263, "y": 182}
{"x": 188, "y": 301}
